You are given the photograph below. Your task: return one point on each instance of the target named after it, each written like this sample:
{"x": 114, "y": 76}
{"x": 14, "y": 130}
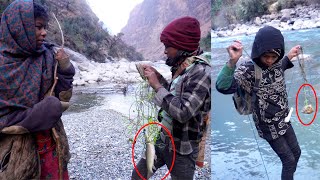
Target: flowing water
{"x": 102, "y": 97}
{"x": 235, "y": 145}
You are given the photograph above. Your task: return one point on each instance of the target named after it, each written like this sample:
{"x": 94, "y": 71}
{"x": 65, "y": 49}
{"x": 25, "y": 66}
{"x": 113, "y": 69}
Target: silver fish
{"x": 150, "y": 157}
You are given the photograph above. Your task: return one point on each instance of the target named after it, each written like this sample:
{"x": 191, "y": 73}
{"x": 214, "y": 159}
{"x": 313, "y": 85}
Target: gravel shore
{"x": 100, "y": 150}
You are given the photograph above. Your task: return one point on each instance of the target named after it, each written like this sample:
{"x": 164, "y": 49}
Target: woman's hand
{"x": 295, "y": 51}
{"x": 235, "y": 52}
{"x": 63, "y": 59}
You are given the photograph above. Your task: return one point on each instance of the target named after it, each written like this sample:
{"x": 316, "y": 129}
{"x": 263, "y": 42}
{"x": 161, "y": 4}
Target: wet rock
{"x": 297, "y": 24}
{"x": 284, "y": 19}
{"x": 221, "y": 34}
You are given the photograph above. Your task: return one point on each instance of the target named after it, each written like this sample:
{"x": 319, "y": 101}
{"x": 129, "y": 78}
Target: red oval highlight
{"x": 316, "y": 111}
{"x": 172, "y": 142}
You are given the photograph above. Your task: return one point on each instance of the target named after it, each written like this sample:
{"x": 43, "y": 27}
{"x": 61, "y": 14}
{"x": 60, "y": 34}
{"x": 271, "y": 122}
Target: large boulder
{"x": 77, "y": 57}
{"x": 273, "y": 8}
{"x": 257, "y": 21}
{"x": 286, "y": 15}
{"x": 297, "y": 24}
{"x": 273, "y": 16}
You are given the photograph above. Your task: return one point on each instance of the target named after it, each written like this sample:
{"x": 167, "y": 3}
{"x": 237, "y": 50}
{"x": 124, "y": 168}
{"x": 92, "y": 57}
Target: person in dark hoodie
{"x": 270, "y": 107}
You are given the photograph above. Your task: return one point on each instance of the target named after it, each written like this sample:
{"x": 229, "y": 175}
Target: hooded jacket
{"x": 271, "y": 105}
{"x": 267, "y": 38}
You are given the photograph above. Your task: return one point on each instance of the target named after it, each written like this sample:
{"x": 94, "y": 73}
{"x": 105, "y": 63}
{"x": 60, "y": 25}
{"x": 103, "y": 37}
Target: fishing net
{"x": 307, "y": 108}
{"x": 142, "y": 112}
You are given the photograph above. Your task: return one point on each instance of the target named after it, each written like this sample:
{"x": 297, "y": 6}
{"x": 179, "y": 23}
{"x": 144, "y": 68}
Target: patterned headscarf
{"x": 26, "y": 72}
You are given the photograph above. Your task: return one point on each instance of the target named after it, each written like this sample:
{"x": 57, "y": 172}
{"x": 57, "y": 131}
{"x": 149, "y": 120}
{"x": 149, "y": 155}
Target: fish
{"x": 140, "y": 70}
{"x": 150, "y": 157}
{"x": 307, "y": 109}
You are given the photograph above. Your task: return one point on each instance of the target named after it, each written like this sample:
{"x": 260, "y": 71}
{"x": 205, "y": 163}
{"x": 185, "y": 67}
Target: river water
{"x": 235, "y": 144}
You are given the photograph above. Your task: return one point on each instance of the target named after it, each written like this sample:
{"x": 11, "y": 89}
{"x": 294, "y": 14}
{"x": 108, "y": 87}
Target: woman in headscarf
{"x": 27, "y": 66}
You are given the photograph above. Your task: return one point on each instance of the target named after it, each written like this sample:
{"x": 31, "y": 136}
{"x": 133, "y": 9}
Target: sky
{"x": 113, "y": 13}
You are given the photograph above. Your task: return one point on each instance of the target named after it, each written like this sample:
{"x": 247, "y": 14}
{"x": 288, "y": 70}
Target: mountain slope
{"x": 82, "y": 31}
{"x": 148, "y": 19}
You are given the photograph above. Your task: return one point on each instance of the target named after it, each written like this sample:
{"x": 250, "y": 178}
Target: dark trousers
{"x": 288, "y": 150}
{"x": 184, "y": 165}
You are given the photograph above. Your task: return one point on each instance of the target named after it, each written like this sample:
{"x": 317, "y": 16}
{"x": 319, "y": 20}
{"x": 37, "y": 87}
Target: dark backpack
{"x": 242, "y": 100}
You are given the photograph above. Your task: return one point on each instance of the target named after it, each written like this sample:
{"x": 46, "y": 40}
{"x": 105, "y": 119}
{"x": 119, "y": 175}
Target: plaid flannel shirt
{"x": 188, "y": 108}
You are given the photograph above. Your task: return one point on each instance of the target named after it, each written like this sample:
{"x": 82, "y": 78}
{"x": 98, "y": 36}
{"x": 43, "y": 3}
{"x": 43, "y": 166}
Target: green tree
{"x": 205, "y": 42}
{"x": 250, "y": 9}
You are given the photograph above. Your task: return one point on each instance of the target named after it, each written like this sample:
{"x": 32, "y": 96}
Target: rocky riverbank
{"x": 118, "y": 71}
{"x": 300, "y": 17}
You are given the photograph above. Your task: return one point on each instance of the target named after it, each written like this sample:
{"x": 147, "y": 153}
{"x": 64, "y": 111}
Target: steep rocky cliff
{"x": 82, "y": 31}
{"x": 148, "y": 19}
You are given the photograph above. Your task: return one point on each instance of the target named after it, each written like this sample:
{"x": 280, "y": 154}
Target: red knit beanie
{"x": 183, "y": 34}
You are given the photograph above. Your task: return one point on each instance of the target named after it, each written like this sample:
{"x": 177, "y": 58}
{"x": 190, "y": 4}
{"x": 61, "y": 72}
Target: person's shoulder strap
{"x": 257, "y": 80}
{"x": 202, "y": 59}
{"x": 257, "y": 76}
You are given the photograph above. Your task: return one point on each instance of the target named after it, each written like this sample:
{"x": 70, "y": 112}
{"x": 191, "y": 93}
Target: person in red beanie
{"x": 184, "y": 102}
